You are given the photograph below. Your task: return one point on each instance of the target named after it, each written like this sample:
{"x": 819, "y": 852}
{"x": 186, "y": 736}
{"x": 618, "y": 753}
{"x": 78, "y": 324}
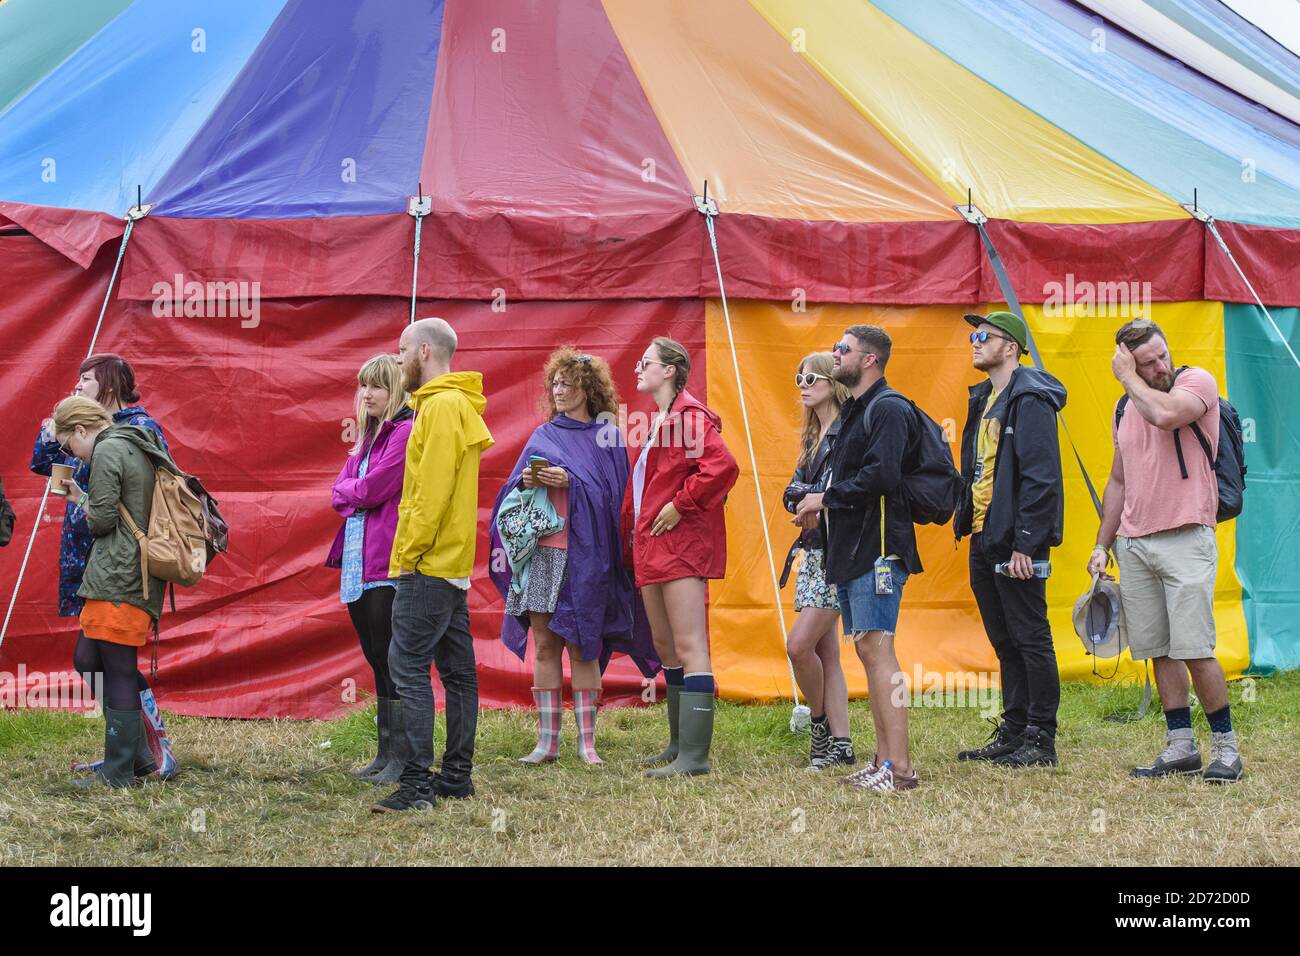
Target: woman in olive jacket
{"x": 116, "y": 615}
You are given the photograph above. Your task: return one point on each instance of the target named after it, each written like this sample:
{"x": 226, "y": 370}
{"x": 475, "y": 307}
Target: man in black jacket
{"x": 878, "y": 436}
{"x": 1013, "y": 509}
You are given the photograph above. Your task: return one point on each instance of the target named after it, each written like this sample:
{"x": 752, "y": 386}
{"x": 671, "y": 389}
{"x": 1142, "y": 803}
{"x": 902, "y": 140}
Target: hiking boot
{"x": 1003, "y": 741}
{"x": 1179, "y": 756}
{"x": 886, "y": 780}
{"x": 821, "y": 742}
{"x": 1037, "y": 749}
{"x": 1225, "y": 759}
{"x": 405, "y": 798}
{"x": 383, "y": 731}
{"x": 838, "y": 753}
{"x": 669, "y": 753}
{"x": 696, "y": 724}
{"x": 445, "y": 789}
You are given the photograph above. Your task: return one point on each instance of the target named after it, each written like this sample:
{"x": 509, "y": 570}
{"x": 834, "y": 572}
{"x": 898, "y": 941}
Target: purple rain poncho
{"x": 598, "y": 609}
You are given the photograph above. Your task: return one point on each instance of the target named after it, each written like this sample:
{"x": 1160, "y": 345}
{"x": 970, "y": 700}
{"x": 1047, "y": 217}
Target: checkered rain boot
{"x": 584, "y": 713}
{"x": 550, "y": 708}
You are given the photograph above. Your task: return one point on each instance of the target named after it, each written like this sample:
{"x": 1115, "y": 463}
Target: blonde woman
{"x": 366, "y": 495}
{"x": 116, "y": 616}
{"x": 813, "y": 645}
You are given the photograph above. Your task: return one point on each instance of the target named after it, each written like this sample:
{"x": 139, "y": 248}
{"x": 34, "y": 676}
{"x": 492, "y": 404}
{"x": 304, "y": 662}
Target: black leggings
{"x": 372, "y": 616}
{"x": 118, "y": 664}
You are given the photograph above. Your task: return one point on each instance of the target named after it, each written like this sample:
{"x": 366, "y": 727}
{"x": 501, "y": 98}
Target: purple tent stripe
{"x": 327, "y": 118}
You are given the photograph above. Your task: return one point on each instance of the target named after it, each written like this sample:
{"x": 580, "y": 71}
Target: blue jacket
{"x": 76, "y": 539}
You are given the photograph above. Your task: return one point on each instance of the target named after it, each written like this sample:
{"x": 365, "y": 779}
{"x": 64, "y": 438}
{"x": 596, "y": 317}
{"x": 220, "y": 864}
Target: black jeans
{"x": 1015, "y": 618}
{"x": 431, "y": 626}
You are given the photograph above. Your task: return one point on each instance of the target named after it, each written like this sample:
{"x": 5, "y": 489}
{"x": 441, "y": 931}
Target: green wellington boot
{"x": 669, "y": 753}
{"x": 123, "y": 732}
{"x": 696, "y": 728}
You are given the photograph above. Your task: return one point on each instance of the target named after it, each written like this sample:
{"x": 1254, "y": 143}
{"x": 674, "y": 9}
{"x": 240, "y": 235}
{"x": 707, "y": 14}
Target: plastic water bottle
{"x": 800, "y": 719}
{"x": 1042, "y": 569}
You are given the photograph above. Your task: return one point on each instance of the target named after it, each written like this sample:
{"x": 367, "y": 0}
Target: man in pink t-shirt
{"x": 1159, "y": 513}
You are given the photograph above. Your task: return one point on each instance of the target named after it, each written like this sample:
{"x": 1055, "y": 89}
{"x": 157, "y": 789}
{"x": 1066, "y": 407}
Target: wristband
{"x": 81, "y": 502}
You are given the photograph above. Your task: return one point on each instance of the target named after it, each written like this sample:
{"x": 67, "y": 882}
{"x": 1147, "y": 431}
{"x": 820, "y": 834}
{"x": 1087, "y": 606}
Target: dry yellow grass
{"x": 268, "y": 793}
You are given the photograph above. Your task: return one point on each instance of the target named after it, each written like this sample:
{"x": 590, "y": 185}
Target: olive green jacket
{"x": 120, "y": 471}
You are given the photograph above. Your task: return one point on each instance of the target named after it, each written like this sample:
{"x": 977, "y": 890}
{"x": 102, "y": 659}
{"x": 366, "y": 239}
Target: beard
{"x": 410, "y": 376}
{"x": 1162, "y": 383}
{"x": 982, "y": 364}
{"x": 849, "y": 378}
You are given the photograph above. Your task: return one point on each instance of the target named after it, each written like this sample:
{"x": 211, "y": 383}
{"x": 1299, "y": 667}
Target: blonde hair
{"x": 78, "y": 410}
{"x": 382, "y": 371}
{"x": 823, "y": 363}
{"x": 674, "y": 353}
{"x": 589, "y": 372}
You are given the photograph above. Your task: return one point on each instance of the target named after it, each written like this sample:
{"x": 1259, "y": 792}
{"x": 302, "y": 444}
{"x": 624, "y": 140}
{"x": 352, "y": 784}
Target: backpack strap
{"x": 142, "y": 540}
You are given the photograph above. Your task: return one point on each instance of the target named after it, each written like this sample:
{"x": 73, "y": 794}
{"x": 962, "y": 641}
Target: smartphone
{"x": 536, "y": 462}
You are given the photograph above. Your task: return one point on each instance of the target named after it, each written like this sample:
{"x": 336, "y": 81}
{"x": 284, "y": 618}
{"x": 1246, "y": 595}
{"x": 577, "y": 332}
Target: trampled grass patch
{"x": 277, "y": 792}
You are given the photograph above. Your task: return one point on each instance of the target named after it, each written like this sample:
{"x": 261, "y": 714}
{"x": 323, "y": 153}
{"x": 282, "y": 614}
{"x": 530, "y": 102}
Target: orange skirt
{"x": 116, "y": 623}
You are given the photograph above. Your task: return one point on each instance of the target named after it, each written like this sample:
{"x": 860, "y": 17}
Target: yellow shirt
{"x": 986, "y": 452}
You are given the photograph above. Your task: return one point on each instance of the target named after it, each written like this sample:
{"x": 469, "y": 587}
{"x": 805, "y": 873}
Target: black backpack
{"x": 1230, "y": 464}
{"x": 931, "y": 482}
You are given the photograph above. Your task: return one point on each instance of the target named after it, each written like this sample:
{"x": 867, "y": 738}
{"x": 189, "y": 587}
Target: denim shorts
{"x": 862, "y": 609}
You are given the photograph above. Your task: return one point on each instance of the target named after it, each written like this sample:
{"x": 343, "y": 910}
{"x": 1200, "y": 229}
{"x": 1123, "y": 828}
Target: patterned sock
{"x": 1180, "y": 718}
{"x": 1221, "y": 720}
{"x": 673, "y": 676}
{"x": 699, "y": 683}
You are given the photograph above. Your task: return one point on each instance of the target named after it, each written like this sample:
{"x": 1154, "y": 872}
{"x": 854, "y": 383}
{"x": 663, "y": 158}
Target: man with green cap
{"x": 1013, "y": 507}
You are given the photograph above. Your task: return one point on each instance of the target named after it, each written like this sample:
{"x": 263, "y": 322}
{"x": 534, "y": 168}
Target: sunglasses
{"x": 642, "y": 363}
{"x": 983, "y": 335}
{"x": 808, "y": 379}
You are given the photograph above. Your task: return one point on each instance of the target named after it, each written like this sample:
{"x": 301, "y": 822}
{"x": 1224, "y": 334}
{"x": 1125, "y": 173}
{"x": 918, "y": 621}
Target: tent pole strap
{"x": 749, "y": 442}
{"x": 40, "y": 511}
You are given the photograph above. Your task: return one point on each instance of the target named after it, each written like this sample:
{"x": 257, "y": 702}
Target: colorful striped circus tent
{"x": 282, "y": 145}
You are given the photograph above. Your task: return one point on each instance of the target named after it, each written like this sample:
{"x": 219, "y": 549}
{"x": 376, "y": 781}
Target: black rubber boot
{"x": 398, "y": 749}
{"x": 383, "y": 718}
{"x": 669, "y": 753}
{"x": 123, "y": 739}
{"x": 696, "y": 724}
{"x": 1037, "y": 749}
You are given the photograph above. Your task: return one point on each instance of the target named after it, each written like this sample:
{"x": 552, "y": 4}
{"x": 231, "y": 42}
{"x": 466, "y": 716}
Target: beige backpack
{"x": 175, "y": 546}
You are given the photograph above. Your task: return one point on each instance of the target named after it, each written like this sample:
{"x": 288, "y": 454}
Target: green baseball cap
{"x": 1007, "y": 322}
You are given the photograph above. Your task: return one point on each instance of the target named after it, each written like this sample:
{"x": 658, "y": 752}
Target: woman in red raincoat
{"x": 678, "y": 539}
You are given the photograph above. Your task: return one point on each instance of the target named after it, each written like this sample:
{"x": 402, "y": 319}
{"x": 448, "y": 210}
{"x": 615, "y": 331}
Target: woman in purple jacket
{"x": 366, "y": 494}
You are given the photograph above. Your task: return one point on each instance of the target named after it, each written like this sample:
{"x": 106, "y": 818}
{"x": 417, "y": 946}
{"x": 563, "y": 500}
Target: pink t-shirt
{"x": 560, "y": 502}
{"x": 1156, "y": 496}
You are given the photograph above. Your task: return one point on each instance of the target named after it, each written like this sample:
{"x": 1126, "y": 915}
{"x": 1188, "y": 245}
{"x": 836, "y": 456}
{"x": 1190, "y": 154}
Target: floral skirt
{"x": 810, "y": 588}
{"x": 545, "y": 578}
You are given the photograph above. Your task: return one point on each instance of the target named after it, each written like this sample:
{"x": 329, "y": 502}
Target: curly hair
{"x": 589, "y": 372}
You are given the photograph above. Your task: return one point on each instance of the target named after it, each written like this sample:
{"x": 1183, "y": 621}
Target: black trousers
{"x": 1015, "y": 619}
{"x": 372, "y": 616}
{"x": 431, "y": 627}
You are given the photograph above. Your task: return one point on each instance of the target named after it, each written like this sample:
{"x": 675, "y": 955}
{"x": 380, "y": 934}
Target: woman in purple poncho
{"x": 579, "y": 595}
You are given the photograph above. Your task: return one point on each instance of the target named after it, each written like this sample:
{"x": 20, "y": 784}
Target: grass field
{"x": 276, "y": 792}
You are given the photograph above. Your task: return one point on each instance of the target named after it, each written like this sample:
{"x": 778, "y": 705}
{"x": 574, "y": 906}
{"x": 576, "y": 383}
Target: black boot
{"x": 398, "y": 748}
{"x": 1037, "y": 749}
{"x": 383, "y": 719}
{"x": 1002, "y": 742}
{"x": 123, "y": 737}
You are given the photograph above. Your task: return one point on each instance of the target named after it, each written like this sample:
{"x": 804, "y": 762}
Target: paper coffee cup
{"x": 57, "y": 474}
